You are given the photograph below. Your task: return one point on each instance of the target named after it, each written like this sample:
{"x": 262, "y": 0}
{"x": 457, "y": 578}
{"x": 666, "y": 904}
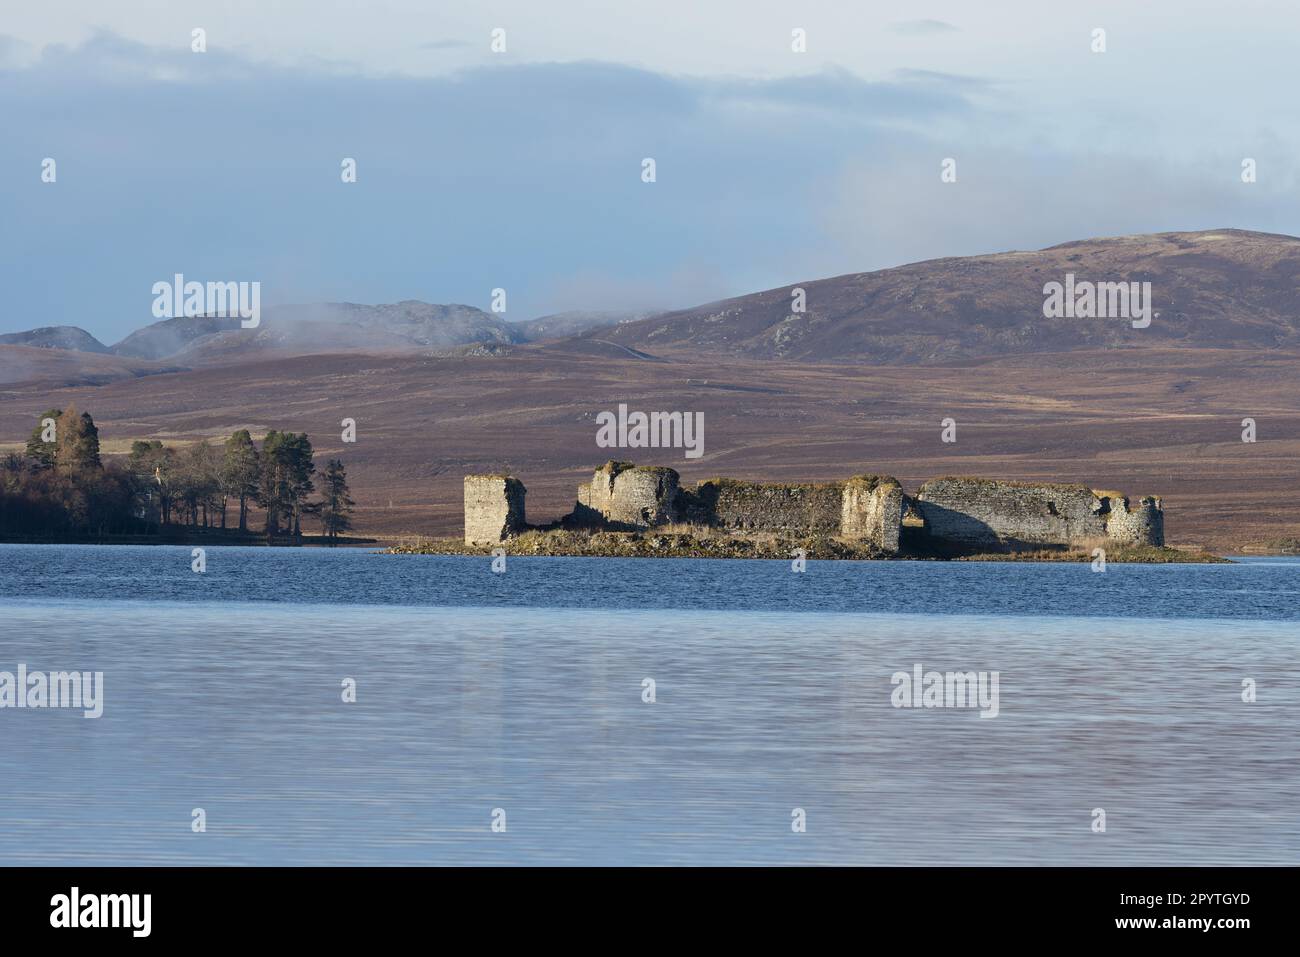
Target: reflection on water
{"x": 236, "y": 708}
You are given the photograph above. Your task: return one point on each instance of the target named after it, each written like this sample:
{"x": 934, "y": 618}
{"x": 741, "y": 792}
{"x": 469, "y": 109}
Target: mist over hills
{"x": 172, "y": 336}
{"x": 407, "y": 326}
{"x": 1224, "y": 288}
{"x": 563, "y": 324}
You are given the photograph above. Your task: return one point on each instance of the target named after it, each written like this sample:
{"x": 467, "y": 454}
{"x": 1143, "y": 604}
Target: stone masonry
{"x": 494, "y": 508}
{"x": 985, "y": 512}
{"x": 624, "y": 496}
{"x": 965, "y": 512}
{"x": 630, "y": 496}
{"x": 1142, "y": 525}
{"x": 872, "y": 510}
{"x": 768, "y": 508}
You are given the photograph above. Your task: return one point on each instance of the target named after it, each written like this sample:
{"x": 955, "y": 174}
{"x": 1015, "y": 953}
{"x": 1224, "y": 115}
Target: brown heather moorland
{"x": 859, "y": 383}
{"x": 1143, "y": 420}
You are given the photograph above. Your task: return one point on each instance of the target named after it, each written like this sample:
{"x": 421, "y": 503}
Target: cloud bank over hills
{"x": 522, "y": 174}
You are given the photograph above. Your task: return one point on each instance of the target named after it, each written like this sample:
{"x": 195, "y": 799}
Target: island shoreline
{"x": 604, "y": 544}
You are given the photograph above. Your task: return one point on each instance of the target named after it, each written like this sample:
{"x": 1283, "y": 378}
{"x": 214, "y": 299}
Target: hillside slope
{"x": 56, "y": 337}
{"x": 1215, "y": 289}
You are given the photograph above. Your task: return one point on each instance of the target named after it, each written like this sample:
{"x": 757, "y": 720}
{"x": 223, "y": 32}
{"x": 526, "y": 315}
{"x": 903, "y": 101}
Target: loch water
{"x": 523, "y": 697}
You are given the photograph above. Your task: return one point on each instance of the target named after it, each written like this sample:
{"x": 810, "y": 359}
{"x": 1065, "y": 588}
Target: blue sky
{"x": 522, "y": 170}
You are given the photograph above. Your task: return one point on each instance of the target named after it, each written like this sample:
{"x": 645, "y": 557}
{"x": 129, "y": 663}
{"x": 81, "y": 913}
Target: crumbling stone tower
{"x": 632, "y": 496}
{"x": 494, "y": 508}
{"x": 872, "y": 511}
{"x": 1142, "y": 524}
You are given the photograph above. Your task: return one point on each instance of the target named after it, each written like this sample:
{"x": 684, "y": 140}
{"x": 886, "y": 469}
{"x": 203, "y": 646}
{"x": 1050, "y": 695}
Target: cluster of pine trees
{"x": 60, "y": 487}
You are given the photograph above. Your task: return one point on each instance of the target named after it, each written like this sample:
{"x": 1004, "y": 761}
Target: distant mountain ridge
{"x": 71, "y": 338}
{"x": 1223, "y": 288}
{"x": 405, "y": 326}
{"x": 166, "y": 338}
{"x": 561, "y": 325}
{"x": 410, "y": 325}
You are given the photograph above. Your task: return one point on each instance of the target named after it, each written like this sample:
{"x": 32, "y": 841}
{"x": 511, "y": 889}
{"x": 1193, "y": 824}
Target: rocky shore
{"x": 654, "y": 544}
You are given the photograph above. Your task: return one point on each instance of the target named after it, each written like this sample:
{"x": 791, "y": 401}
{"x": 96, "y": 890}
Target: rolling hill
{"x": 1223, "y": 288}
{"x": 70, "y": 338}
{"x": 410, "y": 326}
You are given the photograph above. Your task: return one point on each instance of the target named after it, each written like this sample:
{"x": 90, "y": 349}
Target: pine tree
{"x": 76, "y": 443}
{"x": 199, "y": 482}
{"x": 41, "y": 452}
{"x": 240, "y": 473}
{"x": 155, "y": 470}
{"x": 336, "y": 509}
{"x": 286, "y": 479}
{"x": 271, "y": 491}
{"x": 300, "y": 469}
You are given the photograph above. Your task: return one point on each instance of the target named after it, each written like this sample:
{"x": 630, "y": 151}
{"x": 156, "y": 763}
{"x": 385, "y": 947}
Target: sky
{"x": 522, "y": 170}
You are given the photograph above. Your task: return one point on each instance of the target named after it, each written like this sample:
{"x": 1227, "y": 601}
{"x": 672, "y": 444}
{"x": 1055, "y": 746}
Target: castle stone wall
{"x": 866, "y": 508}
{"x": 1141, "y": 524}
{"x": 632, "y": 496}
{"x": 872, "y": 510}
{"x": 988, "y": 512}
{"x": 768, "y": 508}
{"x": 967, "y": 512}
{"x": 494, "y": 508}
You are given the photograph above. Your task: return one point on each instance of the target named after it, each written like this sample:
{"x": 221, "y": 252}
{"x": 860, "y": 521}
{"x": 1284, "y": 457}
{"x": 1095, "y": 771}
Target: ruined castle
{"x": 963, "y": 513}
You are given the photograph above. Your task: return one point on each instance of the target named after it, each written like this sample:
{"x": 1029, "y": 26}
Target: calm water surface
{"x": 523, "y": 692}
